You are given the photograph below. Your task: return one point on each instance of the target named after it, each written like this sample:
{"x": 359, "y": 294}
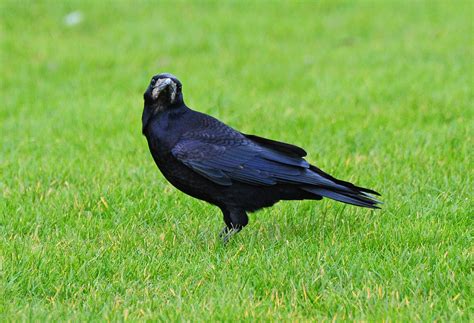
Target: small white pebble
{"x": 73, "y": 18}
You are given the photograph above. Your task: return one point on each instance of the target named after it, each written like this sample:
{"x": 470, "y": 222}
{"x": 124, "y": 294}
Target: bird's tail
{"x": 344, "y": 191}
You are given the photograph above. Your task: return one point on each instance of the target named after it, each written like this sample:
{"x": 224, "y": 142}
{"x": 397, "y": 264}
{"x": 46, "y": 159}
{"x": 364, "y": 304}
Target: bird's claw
{"x": 227, "y": 233}
{"x": 224, "y": 232}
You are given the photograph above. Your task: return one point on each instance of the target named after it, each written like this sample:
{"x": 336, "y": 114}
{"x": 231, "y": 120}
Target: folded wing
{"x": 224, "y": 156}
{"x": 225, "y": 160}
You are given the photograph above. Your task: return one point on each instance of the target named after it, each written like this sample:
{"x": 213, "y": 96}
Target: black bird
{"x": 239, "y": 173}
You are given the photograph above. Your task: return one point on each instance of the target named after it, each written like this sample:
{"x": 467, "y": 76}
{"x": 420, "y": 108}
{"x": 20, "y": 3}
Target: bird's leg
{"x": 226, "y": 231}
{"x": 235, "y": 220}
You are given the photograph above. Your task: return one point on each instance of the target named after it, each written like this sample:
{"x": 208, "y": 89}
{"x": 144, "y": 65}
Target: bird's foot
{"x": 227, "y": 233}
{"x": 224, "y": 232}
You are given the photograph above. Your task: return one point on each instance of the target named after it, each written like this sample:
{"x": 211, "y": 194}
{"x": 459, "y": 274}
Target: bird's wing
{"x": 224, "y": 160}
{"x": 282, "y": 147}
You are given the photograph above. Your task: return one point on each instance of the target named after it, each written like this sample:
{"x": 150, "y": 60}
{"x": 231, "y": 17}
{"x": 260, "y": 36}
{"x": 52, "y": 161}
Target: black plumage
{"x": 239, "y": 173}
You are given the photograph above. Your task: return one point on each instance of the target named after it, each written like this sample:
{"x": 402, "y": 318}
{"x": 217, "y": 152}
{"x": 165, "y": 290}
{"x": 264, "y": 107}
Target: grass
{"x": 380, "y": 93}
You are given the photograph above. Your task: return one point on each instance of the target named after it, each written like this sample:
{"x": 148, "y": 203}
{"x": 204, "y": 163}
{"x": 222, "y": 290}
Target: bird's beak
{"x": 156, "y": 89}
{"x": 160, "y": 85}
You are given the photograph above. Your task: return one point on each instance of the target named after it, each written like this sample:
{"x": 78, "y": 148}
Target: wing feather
{"x": 224, "y": 160}
{"x": 283, "y": 147}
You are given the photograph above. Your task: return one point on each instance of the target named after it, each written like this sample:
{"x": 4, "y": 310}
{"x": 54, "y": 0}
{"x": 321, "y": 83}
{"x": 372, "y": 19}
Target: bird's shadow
{"x": 292, "y": 221}
{"x": 305, "y": 221}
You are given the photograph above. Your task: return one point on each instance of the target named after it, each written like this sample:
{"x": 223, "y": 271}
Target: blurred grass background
{"x": 379, "y": 92}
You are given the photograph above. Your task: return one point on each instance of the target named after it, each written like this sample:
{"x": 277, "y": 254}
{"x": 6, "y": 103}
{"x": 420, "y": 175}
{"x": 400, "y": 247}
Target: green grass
{"x": 380, "y": 93}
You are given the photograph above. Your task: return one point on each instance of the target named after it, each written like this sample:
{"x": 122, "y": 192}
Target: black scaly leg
{"x": 235, "y": 220}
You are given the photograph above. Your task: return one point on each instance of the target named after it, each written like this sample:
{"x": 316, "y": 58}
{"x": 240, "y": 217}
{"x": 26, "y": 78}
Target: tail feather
{"x": 343, "y": 183}
{"x": 358, "y": 199}
{"x": 350, "y": 194}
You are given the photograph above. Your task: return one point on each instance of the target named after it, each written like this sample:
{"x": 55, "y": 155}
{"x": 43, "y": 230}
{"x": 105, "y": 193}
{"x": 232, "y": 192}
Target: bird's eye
{"x": 152, "y": 82}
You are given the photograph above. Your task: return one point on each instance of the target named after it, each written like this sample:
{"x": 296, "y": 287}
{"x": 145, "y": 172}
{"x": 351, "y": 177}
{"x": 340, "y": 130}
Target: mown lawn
{"x": 380, "y": 93}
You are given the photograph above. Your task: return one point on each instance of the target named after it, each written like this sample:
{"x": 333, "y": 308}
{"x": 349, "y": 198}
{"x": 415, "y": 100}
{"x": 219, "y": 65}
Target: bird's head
{"x": 163, "y": 91}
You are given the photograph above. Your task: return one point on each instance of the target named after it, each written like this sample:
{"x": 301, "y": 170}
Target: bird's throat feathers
{"x": 159, "y": 111}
